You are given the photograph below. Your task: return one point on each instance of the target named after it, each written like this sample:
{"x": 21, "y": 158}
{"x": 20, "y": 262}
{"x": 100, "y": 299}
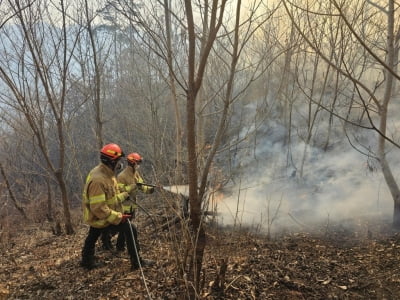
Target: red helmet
{"x": 134, "y": 158}
{"x": 113, "y": 151}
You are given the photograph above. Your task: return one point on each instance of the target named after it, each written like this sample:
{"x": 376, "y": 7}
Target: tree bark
{"x": 386, "y": 170}
{"x": 17, "y": 205}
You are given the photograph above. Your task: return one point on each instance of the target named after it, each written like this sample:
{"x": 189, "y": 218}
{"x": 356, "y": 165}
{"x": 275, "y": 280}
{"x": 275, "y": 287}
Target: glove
{"x": 130, "y": 188}
{"x": 125, "y": 217}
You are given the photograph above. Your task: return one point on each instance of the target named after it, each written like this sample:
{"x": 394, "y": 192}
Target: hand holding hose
{"x": 125, "y": 217}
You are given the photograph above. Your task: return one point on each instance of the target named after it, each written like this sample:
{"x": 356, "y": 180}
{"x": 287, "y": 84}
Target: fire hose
{"x": 138, "y": 258}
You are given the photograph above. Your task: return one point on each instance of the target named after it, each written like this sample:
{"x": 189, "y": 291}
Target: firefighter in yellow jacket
{"x": 130, "y": 176}
{"x": 102, "y": 208}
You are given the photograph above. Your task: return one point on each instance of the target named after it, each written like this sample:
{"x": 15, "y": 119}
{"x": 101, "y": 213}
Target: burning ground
{"x": 360, "y": 261}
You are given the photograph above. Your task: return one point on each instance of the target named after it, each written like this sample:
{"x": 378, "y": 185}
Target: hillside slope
{"x": 342, "y": 264}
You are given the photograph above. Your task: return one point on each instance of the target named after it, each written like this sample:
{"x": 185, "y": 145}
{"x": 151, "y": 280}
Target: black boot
{"x": 146, "y": 262}
{"x": 120, "y": 245}
{"x": 107, "y": 246}
{"x": 120, "y": 250}
{"x": 134, "y": 263}
{"x": 106, "y": 243}
{"x": 143, "y": 263}
{"x": 89, "y": 263}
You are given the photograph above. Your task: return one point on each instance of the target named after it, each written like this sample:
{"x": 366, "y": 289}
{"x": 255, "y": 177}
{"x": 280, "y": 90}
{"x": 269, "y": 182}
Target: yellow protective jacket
{"x": 101, "y": 198}
{"x": 129, "y": 176}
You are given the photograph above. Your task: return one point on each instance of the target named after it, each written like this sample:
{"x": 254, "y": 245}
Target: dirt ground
{"x": 340, "y": 263}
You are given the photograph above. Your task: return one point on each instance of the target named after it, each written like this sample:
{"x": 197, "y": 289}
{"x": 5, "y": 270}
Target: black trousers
{"x": 108, "y": 233}
{"x": 128, "y": 230}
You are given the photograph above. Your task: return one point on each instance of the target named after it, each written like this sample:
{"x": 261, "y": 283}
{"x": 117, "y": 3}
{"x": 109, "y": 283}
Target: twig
{"x": 296, "y": 221}
{"x": 232, "y": 282}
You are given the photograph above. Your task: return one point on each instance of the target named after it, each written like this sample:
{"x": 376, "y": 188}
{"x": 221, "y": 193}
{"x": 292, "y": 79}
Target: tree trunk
{"x": 17, "y": 205}
{"x": 394, "y": 190}
{"x": 97, "y": 86}
{"x": 64, "y": 197}
{"x": 50, "y": 216}
{"x": 195, "y": 202}
{"x": 386, "y": 170}
{"x": 396, "y": 213}
{"x": 178, "y": 131}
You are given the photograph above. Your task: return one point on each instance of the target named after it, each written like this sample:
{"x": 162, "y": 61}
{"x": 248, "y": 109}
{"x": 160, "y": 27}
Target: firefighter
{"x": 102, "y": 208}
{"x": 130, "y": 176}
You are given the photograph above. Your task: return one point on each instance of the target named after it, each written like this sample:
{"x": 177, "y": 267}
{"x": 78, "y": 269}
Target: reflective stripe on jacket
{"x": 101, "y": 198}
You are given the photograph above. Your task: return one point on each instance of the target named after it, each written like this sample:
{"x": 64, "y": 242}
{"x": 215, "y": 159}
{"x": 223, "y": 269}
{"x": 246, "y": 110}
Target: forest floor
{"x": 342, "y": 263}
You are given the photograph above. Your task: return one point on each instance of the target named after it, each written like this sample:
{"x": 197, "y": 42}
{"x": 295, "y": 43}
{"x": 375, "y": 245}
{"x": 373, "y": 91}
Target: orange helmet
{"x": 112, "y": 151}
{"x": 134, "y": 158}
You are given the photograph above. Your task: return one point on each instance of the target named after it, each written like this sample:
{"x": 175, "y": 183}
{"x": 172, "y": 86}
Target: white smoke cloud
{"x": 336, "y": 185}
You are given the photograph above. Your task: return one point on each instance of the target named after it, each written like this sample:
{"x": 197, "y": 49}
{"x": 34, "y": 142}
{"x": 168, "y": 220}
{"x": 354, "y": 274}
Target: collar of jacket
{"x": 107, "y": 170}
{"x": 130, "y": 169}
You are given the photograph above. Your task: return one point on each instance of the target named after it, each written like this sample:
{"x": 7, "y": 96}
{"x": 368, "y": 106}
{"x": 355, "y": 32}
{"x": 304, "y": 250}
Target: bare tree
{"x": 16, "y": 203}
{"x": 188, "y": 60}
{"x": 196, "y": 69}
{"x": 39, "y": 53}
{"x": 359, "y": 20}
{"x": 174, "y": 97}
{"x": 96, "y": 87}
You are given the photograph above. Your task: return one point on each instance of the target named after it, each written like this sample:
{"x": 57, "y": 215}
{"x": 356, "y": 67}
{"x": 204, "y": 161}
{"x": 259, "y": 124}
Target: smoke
{"x": 338, "y": 185}
{"x": 335, "y": 185}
